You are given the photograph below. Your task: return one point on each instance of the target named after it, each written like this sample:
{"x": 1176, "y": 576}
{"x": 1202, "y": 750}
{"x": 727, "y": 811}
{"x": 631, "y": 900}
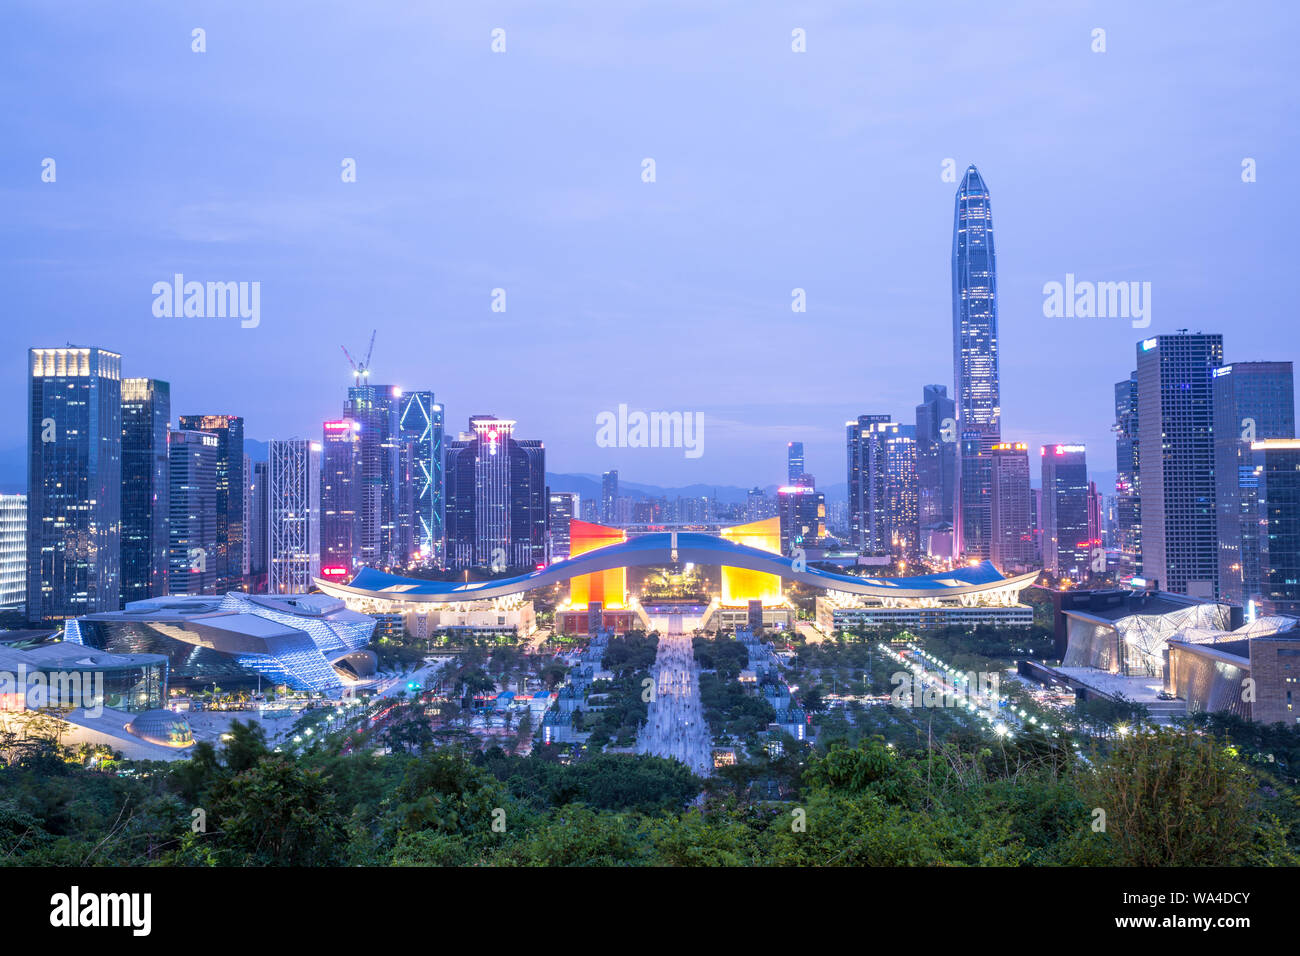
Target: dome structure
{"x": 162, "y": 727}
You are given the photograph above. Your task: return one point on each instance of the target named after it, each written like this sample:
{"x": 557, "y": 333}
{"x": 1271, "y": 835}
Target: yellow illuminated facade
{"x": 607, "y": 587}
{"x": 740, "y": 586}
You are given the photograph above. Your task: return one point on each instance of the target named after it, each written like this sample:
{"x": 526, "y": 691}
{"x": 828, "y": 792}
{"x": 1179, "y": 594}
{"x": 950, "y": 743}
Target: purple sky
{"x": 522, "y": 171}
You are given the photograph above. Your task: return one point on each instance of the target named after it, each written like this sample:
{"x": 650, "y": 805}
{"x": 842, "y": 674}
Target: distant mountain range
{"x": 589, "y": 488}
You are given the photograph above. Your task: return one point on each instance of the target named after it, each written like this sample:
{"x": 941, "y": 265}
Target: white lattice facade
{"x": 293, "y": 516}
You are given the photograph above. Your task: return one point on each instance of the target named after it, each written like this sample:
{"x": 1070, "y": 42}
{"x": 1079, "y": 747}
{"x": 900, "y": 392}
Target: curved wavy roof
{"x": 651, "y": 550}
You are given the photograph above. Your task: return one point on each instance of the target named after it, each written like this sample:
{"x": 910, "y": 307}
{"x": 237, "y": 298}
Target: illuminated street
{"x": 675, "y": 724}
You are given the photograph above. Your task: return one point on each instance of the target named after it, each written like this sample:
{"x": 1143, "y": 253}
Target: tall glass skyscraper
{"x": 975, "y": 362}
{"x": 496, "y": 497}
{"x": 1180, "y": 548}
{"x": 229, "y": 430}
{"x": 794, "y": 464}
{"x": 1012, "y": 545}
{"x": 421, "y": 424}
{"x": 340, "y": 499}
{"x": 192, "y": 522}
{"x": 1067, "y": 545}
{"x": 936, "y": 456}
{"x": 1128, "y": 501}
{"x": 1278, "y": 471}
{"x": 867, "y": 475}
{"x": 74, "y": 478}
{"x": 1253, "y": 402}
{"x": 292, "y": 515}
{"x": 146, "y": 487}
{"x": 13, "y": 552}
{"x": 376, "y": 408}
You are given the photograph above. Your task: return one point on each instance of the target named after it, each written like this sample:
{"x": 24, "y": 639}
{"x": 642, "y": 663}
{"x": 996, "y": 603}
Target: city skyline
{"x": 675, "y": 290}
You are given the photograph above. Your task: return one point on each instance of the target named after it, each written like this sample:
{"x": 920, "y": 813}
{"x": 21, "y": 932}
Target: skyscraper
{"x": 193, "y": 465}
{"x": 376, "y": 409}
{"x": 794, "y": 464}
{"x": 1128, "y": 501}
{"x": 975, "y": 361}
{"x": 564, "y": 507}
{"x": 1067, "y": 547}
{"x": 936, "y": 456}
{"x": 74, "y": 477}
{"x": 1176, "y": 461}
{"x": 293, "y": 515}
{"x": 257, "y": 498}
{"x": 421, "y": 424}
{"x": 229, "y": 430}
{"x": 496, "y": 497}
{"x": 1253, "y": 401}
{"x": 1011, "y": 547}
{"x": 1278, "y": 470}
{"x": 802, "y": 510}
{"x": 609, "y": 497}
{"x": 13, "y": 552}
{"x": 868, "y": 527}
{"x": 901, "y": 490}
{"x": 340, "y": 499}
{"x": 146, "y": 488}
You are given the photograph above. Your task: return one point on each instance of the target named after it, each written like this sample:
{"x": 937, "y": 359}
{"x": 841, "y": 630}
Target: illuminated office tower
{"x": 975, "y": 362}
{"x": 13, "y": 552}
{"x": 609, "y": 497}
{"x": 193, "y": 465}
{"x": 936, "y": 457}
{"x": 376, "y": 408}
{"x": 146, "y": 488}
{"x": 1278, "y": 498}
{"x": 340, "y": 499}
{"x": 868, "y": 518}
{"x": 1067, "y": 547}
{"x": 802, "y": 510}
{"x": 229, "y": 430}
{"x": 794, "y": 463}
{"x": 496, "y": 497}
{"x": 421, "y": 424}
{"x": 901, "y": 491}
{"x": 74, "y": 478}
{"x": 1180, "y": 549}
{"x": 247, "y": 562}
{"x": 1128, "y": 501}
{"x": 1011, "y": 547}
{"x": 293, "y": 515}
{"x": 563, "y": 508}
{"x": 257, "y": 505}
{"x": 1253, "y": 402}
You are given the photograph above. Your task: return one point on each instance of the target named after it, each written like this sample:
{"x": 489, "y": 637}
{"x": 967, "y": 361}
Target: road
{"x": 675, "y": 725}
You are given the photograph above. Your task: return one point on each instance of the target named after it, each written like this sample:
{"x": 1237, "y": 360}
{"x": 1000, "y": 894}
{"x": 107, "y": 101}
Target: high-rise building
{"x": 1011, "y": 547}
{"x": 868, "y": 518}
{"x": 13, "y": 552}
{"x": 257, "y": 524}
{"x": 293, "y": 515}
{"x": 1176, "y": 461}
{"x": 936, "y": 457}
{"x": 802, "y": 510}
{"x": 564, "y": 508}
{"x": 901, "y": 491}
{"x": 1096, "y": 525}
{"x": 376, "y": 408}
{"x": 192, "y": 546}
{"x": 247, "y": 563}
{"x": 74, "y": 478}
{"x": 609, "y": 497}
{"x": 1278, "y": 496}
{"x": 794, "y": 464}
{"x": 975, "y": 362}
{"x": 229, "y": 430}
{"x": 146, "y": 488}
{"x": 340, "y": 499}
{"x": 1067, "y": 546}
{"x": 421, "y": 425}
{"x": 496, "y": 497}
{"x": 1253, "y": 401}
{"x": 1128, "y": 501}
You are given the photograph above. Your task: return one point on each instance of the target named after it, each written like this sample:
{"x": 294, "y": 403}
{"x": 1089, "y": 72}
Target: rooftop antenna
{"x": 360, "y": 369}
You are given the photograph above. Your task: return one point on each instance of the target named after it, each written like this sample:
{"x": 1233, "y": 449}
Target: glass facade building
{"x": 340, "y": 498}
{"x": 1067, "y": 545}
{"x": 293, "y": 515}
{"x": 13, "y": 552}
{"x": 1012, "y": 544}
{"x": 229, "y": 430}
{"x": 1253, "y": 401}
{"x": 74, "y": 478}
{"x": 1128, "y": 500}
{"x": 1176, "y": 461}
{"x": 496, "y": 497}
{"x": 146, "y": 487}
{"x": 1278, "y": 470}
{"x": 421, "y": 425}
{"x": 975, "y": 361}
{"x": 192, "y": 515}
{"x": 936, "y": 456}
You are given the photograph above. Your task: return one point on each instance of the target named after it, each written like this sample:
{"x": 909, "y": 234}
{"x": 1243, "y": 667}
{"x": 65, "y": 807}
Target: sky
{"x": 522, "y": 170}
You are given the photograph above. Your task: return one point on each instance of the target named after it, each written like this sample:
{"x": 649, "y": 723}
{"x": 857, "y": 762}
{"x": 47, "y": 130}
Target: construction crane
{"x": 361, "y": 369}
